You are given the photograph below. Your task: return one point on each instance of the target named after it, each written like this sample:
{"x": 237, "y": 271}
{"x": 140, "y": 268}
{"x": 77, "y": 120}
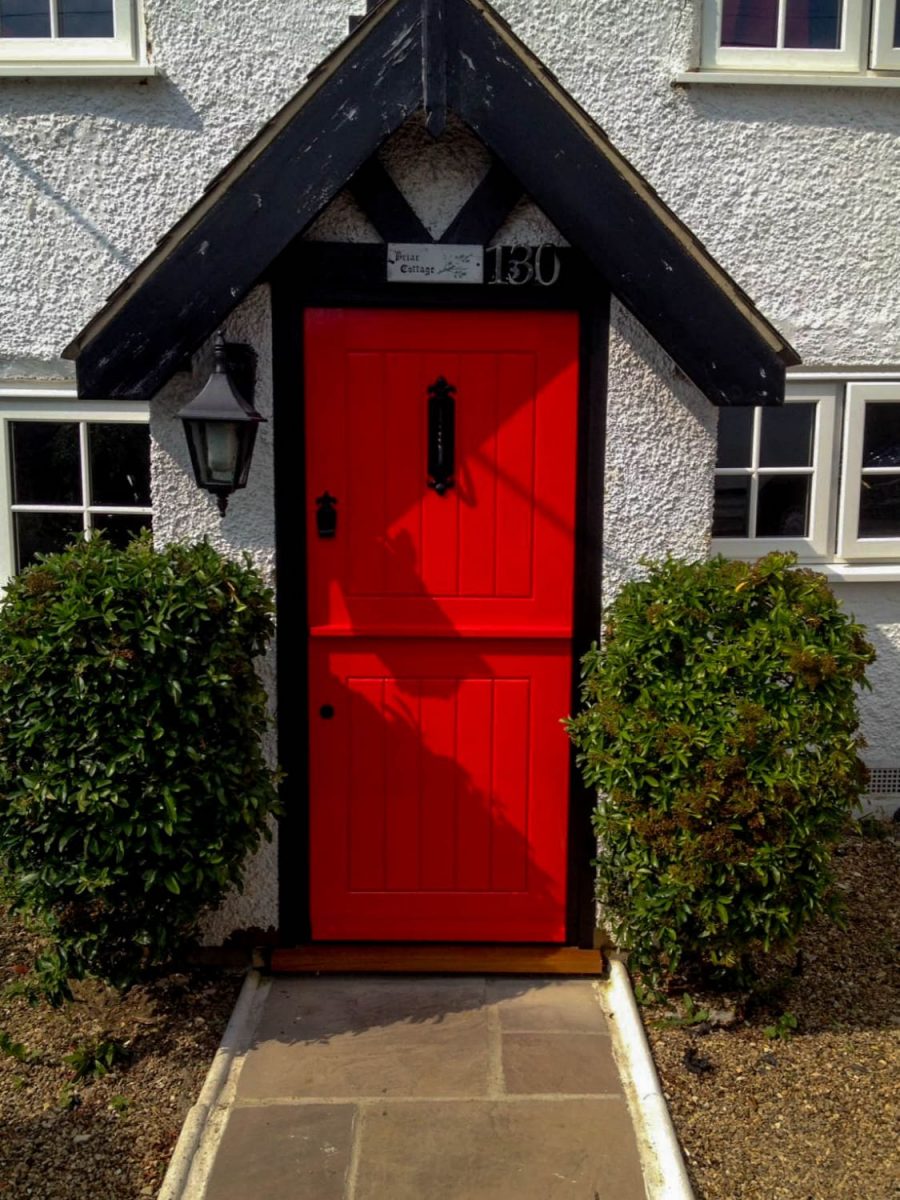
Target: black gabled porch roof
{"x": 439, "y": 56}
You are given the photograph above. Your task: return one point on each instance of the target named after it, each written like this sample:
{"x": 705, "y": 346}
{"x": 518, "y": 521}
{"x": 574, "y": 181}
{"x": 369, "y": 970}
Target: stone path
{"x": 374, "y": 1088}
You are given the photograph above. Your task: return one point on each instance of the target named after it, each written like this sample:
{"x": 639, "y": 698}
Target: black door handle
{"x": 441, "y": 435}
{"x": 326, "y": 515}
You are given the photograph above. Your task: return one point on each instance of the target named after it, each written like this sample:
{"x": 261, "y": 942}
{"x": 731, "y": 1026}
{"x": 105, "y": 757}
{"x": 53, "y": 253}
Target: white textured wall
{"x": 793, "y": 189}
{"x": 182, "y": 512}
{"x": 660, "y": 454}
{"x": 877, "y": 606}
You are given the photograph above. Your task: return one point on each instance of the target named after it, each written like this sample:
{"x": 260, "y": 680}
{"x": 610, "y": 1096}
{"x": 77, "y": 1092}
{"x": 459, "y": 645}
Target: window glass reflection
{"x": 813, "y": 25}
{"x": 735, "y": 437}
{"x": 782, "y": 508}
{"x": 86, "y": 18}
{"x": 43, "y": 533}
{"x": 881, "y": 436}
{"x": 879, "y": 506}
{"x": 731, "y": 512}
{"x": 46, "y": 462}
{"x": 786, "y": 437}
{"x": 25, "y": 18}
{"x": 119, "y": 464}
{"x": 750, "y": 23}
{"x": 120, "y": 528}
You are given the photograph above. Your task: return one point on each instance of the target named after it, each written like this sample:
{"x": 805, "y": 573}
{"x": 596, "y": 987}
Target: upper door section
{"x": 406, "y": 560}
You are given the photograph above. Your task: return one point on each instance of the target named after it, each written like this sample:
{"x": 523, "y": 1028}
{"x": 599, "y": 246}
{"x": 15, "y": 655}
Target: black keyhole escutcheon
{"x": 326, "y": 712}
{"x": 326, "y": 515}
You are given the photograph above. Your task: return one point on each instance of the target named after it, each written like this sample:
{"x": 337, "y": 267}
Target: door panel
{"x": 440, "y": 625}
{"x": 410, "y": 561}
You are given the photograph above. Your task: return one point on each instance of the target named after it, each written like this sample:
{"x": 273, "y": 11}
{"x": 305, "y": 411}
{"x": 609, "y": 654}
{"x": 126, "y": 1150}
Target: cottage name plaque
{"x": 408, "y": 262}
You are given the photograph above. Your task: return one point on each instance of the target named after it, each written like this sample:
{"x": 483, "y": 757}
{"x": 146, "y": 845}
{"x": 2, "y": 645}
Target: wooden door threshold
{"x": 398, "y": 958}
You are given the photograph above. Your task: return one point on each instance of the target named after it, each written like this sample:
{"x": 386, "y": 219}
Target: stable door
{"x": 441, "y": 450}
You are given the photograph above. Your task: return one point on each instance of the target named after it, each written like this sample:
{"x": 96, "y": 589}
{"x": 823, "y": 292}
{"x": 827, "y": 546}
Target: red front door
{"x": 440, "y": 622}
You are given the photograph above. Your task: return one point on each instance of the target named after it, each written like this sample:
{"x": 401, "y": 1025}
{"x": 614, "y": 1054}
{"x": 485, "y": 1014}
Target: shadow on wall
{"x": 48, "y": 189}
{"x": 153, "y": 103}
{"x": 847, "y": 109}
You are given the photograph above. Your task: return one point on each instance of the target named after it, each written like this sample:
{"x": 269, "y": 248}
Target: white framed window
{"x": 67, "y": 37}
{"x": 870, "y": 501}
{"x": 843, "y": 37}
{"x": 819, "y": 475}
{"x": 68, "y": 467}
{"x": 886, "y": 35}
{"x": 774, "y": 472}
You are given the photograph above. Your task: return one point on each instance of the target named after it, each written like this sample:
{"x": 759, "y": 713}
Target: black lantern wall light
{"x": 221, "y": 423}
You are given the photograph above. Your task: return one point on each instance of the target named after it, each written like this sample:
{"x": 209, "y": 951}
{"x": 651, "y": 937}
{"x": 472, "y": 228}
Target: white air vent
{"x": 884, "y": 781}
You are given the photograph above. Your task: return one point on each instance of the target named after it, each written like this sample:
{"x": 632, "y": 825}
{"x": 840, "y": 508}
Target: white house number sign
{"x": 512, "y": 266}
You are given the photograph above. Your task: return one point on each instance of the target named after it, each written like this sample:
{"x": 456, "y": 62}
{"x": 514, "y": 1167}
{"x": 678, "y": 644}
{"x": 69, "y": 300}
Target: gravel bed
{"x": 813, "y": 1115}
{"x": 108, "y": 1138}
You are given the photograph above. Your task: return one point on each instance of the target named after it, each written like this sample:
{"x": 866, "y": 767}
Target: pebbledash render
{"x": 775, "y": 145}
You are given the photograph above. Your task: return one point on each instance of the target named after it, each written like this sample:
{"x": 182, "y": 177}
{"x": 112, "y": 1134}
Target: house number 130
{"x": 517, "y": 265}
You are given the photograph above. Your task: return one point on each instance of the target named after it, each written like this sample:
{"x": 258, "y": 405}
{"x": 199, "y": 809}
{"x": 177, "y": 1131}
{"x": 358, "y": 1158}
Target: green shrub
{"x": 720, "y": 730}
{"x": 132, "y": 779}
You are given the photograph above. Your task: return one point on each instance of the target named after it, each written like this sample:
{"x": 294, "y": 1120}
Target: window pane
{"x": 120, "y": 464}
{"x": 43, "y": 533}
{"x": 813, "y": 25}
{"x": 86, "y": 18}
{"x": 881, "y": 436}
{"x": 897, "y": 24}
{"x": 732, "y": 507}
{"x": 119, "y": 528}
{"x": 750, "y": 22}
{"x": 735, "y": 437}
{"x": 879, "y": 506}
{"x": 46, "y": 462}
{"x": 782, "y": 507}
{"x": 25, "y": 18}
{"x": 786, "y": 437}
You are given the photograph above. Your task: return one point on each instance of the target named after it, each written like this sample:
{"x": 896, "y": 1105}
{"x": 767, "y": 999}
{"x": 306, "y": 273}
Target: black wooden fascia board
{"x": 384, "y": 204}
{"x": 642, "y": 261}
{"x": 220, "y": 259}
{"x": 436, "y": 52}
{"x": 486, "y": 209}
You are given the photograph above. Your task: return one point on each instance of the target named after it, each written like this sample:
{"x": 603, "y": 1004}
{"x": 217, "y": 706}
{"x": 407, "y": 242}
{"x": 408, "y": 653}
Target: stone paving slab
{"x": 406, "y": 1088}
{"x": 446, "y": 1057}
{"x": 286, "y": 1152}
{"x": 570, "y": 1063}
{"x": 494, "y": 1150}
{"x": 554, "y": 1004}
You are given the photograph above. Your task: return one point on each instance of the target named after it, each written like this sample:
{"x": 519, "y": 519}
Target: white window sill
{"x": 791, "y": 78}
{"x": 838, "y": 572}
{"x": 44, "y": 70}
{"x": 859, "y": 572}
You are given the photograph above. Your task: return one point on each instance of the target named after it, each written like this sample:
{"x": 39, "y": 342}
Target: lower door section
{"x": 445, "y": 768}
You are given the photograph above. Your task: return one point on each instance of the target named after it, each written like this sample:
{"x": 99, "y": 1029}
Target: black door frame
{"x": 340, "y": 275}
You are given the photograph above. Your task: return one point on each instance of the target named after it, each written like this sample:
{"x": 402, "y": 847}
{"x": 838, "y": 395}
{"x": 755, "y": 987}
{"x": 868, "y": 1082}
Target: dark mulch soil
{"x": 813, "y": 1116}
{"x": 108, "y": 1138}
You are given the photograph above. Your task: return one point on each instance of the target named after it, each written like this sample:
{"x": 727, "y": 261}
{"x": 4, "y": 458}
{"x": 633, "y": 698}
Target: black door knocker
{"x": 441, "y": 435}
{"x": 326, "y": 515}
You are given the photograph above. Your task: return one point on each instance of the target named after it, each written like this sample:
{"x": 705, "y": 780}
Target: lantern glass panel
{"x": 222, "y": 451}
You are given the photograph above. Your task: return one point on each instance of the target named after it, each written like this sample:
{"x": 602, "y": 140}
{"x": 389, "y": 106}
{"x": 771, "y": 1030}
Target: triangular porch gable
{"x": 437, "y": 56}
